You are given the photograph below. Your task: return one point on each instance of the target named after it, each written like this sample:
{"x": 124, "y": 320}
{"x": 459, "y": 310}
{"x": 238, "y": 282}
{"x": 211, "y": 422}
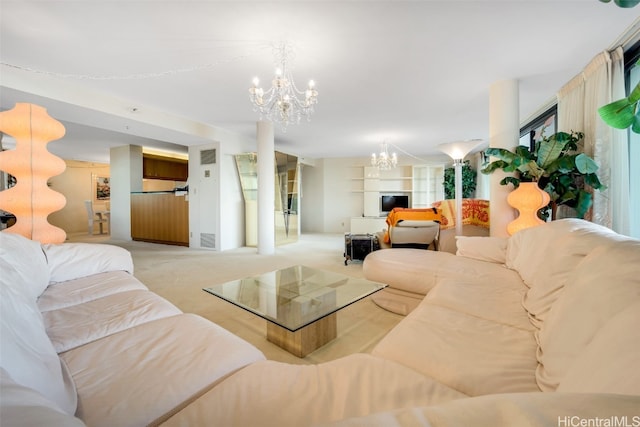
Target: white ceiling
{"x": 169, "y": 74}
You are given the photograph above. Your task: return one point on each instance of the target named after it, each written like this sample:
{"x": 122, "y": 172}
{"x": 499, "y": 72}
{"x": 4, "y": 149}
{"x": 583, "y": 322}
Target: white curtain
{"x": 601, "y": 82}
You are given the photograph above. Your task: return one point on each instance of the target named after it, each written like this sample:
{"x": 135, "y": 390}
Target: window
{"x": 532, "y": 131}
{"x": 632, "y": 77}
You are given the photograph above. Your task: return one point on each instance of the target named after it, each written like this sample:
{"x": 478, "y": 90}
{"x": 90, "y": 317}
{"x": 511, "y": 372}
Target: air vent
{"x": 208, "y": 240}
{"x": 208, "y": 157}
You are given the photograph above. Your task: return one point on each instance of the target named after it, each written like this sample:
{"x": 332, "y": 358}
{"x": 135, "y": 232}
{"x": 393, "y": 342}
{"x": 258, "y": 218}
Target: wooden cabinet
{"x": 156, "y": 167}
{"x": 160, "y": 218}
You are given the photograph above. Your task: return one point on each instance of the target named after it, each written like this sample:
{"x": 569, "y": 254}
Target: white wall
{"x": 77, "y": 184}
{"x": 216, "y": 204}
{"x": 341, "y": 203}
{"x": 312, "y": 198}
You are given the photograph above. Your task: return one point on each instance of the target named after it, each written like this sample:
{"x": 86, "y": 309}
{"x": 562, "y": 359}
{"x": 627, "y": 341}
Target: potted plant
{"x": 556, "y": 166}
{"x": 469, "y": 178}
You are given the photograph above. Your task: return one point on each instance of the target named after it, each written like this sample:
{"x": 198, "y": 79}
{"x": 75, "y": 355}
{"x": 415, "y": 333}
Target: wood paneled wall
{"x": 160, "y": 218}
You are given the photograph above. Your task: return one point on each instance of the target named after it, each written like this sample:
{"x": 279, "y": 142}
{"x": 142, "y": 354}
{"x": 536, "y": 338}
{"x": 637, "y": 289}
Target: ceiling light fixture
{"x": 283, "y": 103}
{"x": 384, "y": 161}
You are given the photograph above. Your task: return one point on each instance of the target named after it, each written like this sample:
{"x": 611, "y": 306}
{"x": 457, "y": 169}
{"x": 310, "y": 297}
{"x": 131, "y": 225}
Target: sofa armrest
{"x": 21, "y": 406}
{"x": 69, "y": 261}
{"x": 490, "y": 249}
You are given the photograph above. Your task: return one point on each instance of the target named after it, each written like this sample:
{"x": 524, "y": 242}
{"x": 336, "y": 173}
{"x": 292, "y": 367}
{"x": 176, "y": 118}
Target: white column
{"x": 457, "y": 164}
{"x": 126, "y": 177}
{"x": 504, "y": 132}
{"x": 266, "y": 186}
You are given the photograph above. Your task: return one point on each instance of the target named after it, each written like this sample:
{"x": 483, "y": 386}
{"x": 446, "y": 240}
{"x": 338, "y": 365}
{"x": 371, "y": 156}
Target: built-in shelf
{"x": 422, "y": 182}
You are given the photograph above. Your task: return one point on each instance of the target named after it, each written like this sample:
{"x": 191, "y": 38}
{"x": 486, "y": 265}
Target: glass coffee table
{"x": 299, "y": 303}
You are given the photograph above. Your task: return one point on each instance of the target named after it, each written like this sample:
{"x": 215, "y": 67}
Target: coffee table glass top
{"x": 297, "y": 296}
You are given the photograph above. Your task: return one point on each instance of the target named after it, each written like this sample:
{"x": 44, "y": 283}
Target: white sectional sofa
{"x": 83, "y": 341}
{"x": 540, "y": 329}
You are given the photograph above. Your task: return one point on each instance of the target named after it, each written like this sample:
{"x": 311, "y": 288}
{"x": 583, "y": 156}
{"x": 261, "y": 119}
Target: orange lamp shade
{"x": 528, "y": 198}
{"x": 31, "y": 200}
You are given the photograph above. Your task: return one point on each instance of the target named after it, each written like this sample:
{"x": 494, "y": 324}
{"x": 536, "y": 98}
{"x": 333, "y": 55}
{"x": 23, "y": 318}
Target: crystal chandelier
{"x": 384, "y": 161}
{"x": 283, "y": 102}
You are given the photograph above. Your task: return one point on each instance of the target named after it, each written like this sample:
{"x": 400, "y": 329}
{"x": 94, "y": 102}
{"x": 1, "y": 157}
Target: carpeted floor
{"x": 179, "y": 274}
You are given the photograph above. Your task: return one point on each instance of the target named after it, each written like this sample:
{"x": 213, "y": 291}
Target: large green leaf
{"x": 498, "y": 164}
{"x": 623, "y": 113}
{"x": 507, "y": 161}
{"x": 619, "y": 114}
{"x": 531, "y": 168}
{"x": 500, "y": 153}
{"x": 634, "y": 96}
{"x": 593, "y": 181}
{"x": 583, "y": 203}
{"x": 585, "y": 164}
{"x": 635, "y": 127}
{"x": 550, "y": 149}
{"x": 510, "y": 180}
{"x": 564, "y": 164}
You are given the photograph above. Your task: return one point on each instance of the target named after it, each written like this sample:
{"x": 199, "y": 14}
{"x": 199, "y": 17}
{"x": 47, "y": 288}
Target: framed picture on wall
{"x": 103, "y": 188}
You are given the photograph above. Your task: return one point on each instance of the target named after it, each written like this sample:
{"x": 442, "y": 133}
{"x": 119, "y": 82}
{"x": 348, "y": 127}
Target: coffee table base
{"x": 305, "y": 340}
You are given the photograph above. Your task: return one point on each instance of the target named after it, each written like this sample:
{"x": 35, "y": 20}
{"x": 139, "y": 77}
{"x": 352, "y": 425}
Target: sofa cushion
{"x": 418, "y": 271}
{"x": 601, "y": 286}
{"x": 78, "y": 291}
{"x": 30, "y": 273}
{"x": 497, "y": 300}
{"x": 609, "y": 363}
{"x": 546, "y": 255}
{"x": 21, "y": 406}
{"x": 69, "y": 261}
{"x": 490, "y": 249}
{"x": 80, "y": 324}
{"x": 26, "y": 353}
{"x": 278, "y": 394}
{"x": 472, "y": 355}
{"x": 173, "y": 360}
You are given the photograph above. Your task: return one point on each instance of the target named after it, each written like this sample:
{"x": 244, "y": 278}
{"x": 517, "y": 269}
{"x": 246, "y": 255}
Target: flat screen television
{"x": 388, "y": 202}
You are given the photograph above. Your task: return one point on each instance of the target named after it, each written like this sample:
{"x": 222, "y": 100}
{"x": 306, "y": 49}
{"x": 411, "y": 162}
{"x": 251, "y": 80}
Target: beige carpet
{"x": 179, "y": 274}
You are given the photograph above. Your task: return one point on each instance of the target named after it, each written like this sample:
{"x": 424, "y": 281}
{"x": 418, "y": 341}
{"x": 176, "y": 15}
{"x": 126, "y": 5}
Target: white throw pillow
{"x": 490, "y": 249}
{"x": 68, "y": 261}
{"x": 31, "y": 274}
{"x": 26, "y": 352}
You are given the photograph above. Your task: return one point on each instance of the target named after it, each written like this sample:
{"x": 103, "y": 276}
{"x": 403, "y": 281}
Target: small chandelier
{"x": 384, "y": 161}
{"x": 283, "y": 102}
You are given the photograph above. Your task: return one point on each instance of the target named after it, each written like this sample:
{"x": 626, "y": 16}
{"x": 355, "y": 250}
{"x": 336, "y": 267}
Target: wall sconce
{"x": 528, "y": 198}
{"x": 31, "y": 200}
{"x": 457, "y": 151}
